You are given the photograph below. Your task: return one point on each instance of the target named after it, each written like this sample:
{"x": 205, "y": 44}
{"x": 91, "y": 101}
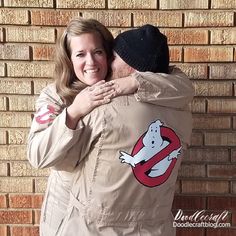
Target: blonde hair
{"x": 67, "y": 84}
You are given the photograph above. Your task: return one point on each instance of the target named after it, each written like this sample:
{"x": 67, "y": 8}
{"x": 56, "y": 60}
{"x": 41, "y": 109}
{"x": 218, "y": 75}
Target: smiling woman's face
{"x": 89, "y": 58}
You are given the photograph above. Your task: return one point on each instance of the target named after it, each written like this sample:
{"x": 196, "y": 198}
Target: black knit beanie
{"x": 144, "y": 49}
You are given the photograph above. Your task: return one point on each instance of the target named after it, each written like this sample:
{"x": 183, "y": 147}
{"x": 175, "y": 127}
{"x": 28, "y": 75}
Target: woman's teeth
{"x": 91, "y": 71}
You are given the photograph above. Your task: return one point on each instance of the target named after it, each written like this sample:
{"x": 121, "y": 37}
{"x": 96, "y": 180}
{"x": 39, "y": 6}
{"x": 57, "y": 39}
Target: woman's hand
{"x": 89, "y": 98}
{"x": 126, "y": 85}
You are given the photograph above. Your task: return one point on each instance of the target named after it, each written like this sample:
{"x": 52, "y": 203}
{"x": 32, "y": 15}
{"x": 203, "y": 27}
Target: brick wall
{"x": 202, "y": 39}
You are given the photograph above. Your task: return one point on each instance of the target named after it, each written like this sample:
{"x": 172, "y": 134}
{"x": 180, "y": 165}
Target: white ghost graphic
{"x": 153, "y": 143}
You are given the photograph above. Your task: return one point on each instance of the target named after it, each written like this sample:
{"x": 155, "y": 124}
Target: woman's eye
{"x": 80, "y": 55}
{"x": 99, "y": 52}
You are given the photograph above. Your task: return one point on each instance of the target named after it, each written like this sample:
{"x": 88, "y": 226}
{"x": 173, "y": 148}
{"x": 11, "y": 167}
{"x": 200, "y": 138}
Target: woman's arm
{"x": 51, "y": 137}
{"x": 89, "y": 98}
{"x": 173, "y": 90}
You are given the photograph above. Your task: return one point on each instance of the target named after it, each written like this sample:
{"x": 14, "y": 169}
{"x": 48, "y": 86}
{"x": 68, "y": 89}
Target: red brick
{"x": 13, "y": 16}
{"x": 233, "y": 155}
{"x": 192, "y": 170}
{"x": 223, "y": 36}
{"x": 3, "y": 201}
{"x": 3, "y": 107}
{"x": 208, "y": 54}
{"x": 25, "y": 231}
{"x": 179, "y": 4}
{"x": 12, "y": 152}
{"x": 30, "y": 69}
{"x": 24, "y": 3}
{"x": 197, "y": 139}
{"x": 21, "y": 103}
{"x": 234, "y": 122}
{"x": 18, "y": 136}
{"x": 234, "y": 218}
{"x": 14, "y": 86}
{"x": 198, "y": 105}
{"x": 190, "y": 232}
{"x": 43, "y": 52}
{"x": 221, "y": 231}
{"x": 189, "y": 202}
{"x": 194, "y": 71}
{"x": 3, "y": 136}
{"x": 158, "y": 18}
{"x": 15, "y": 119}
{"x": 110, "y": 18}
{"x": 51, "y": 17}
{"x": 30, "y": 34}
{"x": 210, "y": 88}
{"x": 227, "y": 171}
{"x": 211, "y": 122}
{"x": 2, "y": 69}
{"x": 220, "y": 139}
{"x": 233, "y": 187}
{"x": 14, "y": 52}
{"x": 221, "y": 203}
{"x": 1, "y": 35}
{"x": 205, "y": 187}
{"x": 25, "y": 201}
{"x": 3, "y": 230}
{"x": 221, "y": 105}
{"x": 186, "y": 36}
{"x": 234, "y": 54}
{"x": 15, "y": 217}
{"x": 16, "y": 185}
{"x": 208, "y": 18}
{"x": 39, "y": 84}
{"x": 175, "y": 54}
{"x": 222, "y": 71}
{"x": 207, "y": 155}
{"x": 25, "y": 169}
{"x": 37, "y": 214}
{"x": 95, "y": 4}
{"x": 4, "y": 169}
{"x": 223, "y": 4}
{"x": 137, "y": 4}
{"x": 40, "y": 185}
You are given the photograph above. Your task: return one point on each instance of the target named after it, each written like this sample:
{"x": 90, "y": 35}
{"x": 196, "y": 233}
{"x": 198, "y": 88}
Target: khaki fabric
{"x": 90, "y": 191}
{"x": 110, "y": 198}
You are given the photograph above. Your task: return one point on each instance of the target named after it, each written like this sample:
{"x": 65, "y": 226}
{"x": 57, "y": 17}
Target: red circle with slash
{"x": 46, "y": 116}
{"x": 142, "y": 169}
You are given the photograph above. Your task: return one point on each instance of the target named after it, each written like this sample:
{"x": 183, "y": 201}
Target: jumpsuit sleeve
{"x": 50, "y": 139}
{"x": 173, "y": 90}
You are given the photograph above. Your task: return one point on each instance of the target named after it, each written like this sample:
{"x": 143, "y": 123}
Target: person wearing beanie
{"x": 144, "y": 49}
{"x": 140, "y": 51}
{"x": 130, "y": 149}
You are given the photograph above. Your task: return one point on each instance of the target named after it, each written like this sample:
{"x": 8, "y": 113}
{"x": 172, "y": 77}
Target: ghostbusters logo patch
{"x": 154, "y": 155}
{"x": 45, "y": 114}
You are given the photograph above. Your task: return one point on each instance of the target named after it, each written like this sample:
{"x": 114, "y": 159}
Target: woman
{"x": 84, "y": 55}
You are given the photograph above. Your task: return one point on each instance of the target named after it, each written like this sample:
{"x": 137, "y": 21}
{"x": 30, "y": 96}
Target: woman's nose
{"x": 90, "y": 59}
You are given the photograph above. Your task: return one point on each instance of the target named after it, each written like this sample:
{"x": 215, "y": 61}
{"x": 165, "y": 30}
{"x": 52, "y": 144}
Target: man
{"x": 131, "y": 151}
